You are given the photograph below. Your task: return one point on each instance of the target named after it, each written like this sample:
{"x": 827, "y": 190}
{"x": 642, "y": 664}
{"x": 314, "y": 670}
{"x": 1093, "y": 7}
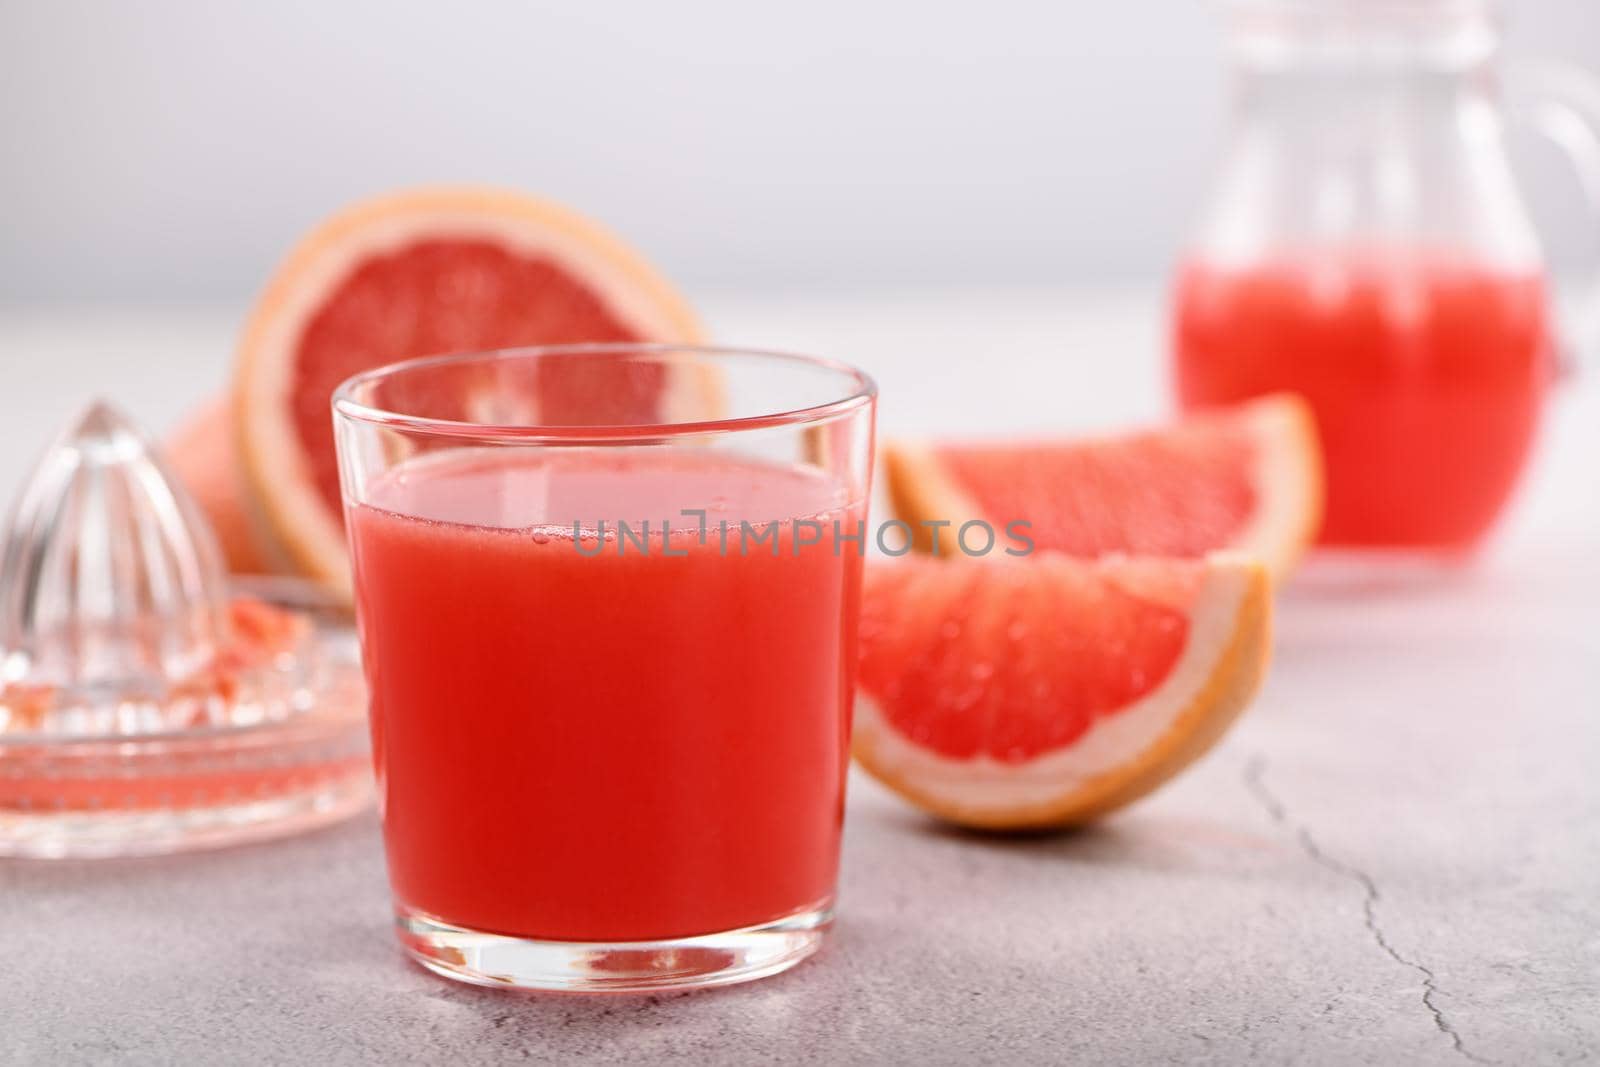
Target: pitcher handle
{"x": 1562, "y": 102}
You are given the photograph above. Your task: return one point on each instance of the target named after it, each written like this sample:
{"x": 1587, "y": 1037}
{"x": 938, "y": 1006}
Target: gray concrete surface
{"x": 1394, "y": 858}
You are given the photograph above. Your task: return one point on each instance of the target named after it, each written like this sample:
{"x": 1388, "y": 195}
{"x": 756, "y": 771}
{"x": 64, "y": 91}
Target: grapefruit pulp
{"x": 1050, "y": 690}
{"x": 1246, "y": 478}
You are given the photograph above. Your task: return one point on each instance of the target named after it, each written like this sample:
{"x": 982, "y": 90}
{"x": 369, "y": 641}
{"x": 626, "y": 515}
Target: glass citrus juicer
{"x": 147, "y": 704}
{"x": 1366, "y": 245}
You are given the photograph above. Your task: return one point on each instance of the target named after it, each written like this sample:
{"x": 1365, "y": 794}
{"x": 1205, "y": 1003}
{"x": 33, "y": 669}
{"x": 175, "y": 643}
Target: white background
{"x": 171, "y": 150}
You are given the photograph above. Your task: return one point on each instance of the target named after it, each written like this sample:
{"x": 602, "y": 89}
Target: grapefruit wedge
{"x": 1247, "y": 478}
{"x": 1048, "y": 691}
{"x": 420, "y": 273}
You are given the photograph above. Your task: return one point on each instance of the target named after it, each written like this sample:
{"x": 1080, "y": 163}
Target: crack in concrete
{"x": 1255, "y": 781}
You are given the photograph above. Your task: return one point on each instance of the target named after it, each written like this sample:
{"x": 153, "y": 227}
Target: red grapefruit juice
{"x": 1426, "y": 378}
{"x": 580, "y": 739}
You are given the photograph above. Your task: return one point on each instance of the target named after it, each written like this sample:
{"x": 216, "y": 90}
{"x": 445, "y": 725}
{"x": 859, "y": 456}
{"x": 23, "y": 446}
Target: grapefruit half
{"x": 1246, "y": 478}
{"x": 203, "y": 452}
{"x": 1048, "y": 691}
{"x": 411, "y": 274}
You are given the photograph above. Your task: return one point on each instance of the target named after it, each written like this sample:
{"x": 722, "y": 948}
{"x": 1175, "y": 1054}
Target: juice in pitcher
{"x": 1365, "y": 243}
{"x": 1426, "y": 376}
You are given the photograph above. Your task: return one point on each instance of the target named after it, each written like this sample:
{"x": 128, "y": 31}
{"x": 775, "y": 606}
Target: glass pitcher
{"x": 1366, "y": 246}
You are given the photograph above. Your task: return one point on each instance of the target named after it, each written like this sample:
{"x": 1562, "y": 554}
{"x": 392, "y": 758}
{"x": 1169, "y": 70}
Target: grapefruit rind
{"x": 1289, "y": 483}
{"x": 1124, "y": 755}
{"x": 292, "y": 515}
{"x": 1287, "y": 479}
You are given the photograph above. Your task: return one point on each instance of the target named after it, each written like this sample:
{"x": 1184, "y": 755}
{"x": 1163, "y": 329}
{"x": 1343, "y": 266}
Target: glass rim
{"x": 862, "y": 391}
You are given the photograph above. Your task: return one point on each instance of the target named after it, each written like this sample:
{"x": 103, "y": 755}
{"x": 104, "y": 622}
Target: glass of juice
{"x": 607, "y": 599}
{"x": 1366, "y": 246}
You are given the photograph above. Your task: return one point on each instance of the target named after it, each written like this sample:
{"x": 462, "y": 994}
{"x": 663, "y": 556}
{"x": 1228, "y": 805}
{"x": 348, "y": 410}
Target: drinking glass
{"x": 607, "y": 600}
{"x": 1365, "y": 244}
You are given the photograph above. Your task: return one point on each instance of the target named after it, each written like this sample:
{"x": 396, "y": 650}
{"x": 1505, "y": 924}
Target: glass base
{"x": 621, "y": 967}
